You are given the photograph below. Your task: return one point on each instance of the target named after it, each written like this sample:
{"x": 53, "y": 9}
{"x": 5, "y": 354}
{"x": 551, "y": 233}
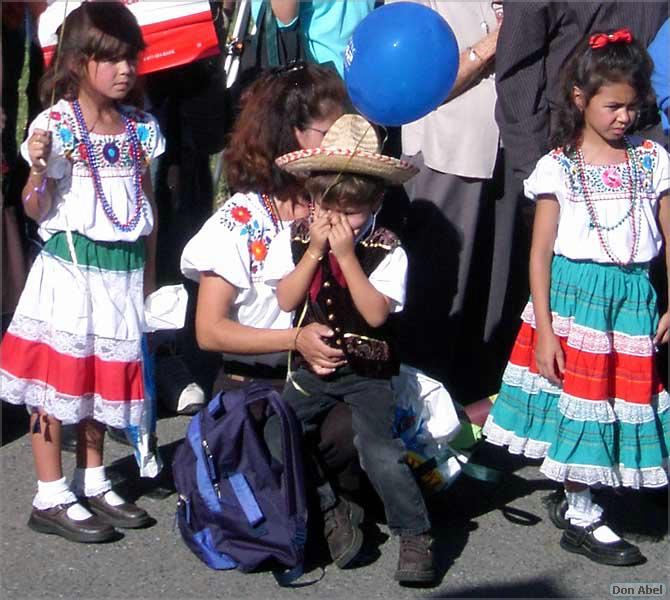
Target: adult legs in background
{"x": 509, "y": 286}
{"x": 449, "y": 238}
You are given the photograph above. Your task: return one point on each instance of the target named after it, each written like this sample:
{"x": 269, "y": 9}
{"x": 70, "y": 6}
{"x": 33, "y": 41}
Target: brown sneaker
{"x": 415, "y": 561}
{"x": 123, "y": 516}
{"x": 342, "y": 532}
{"x": 56, "y": 521}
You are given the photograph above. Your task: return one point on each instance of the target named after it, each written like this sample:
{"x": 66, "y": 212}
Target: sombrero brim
{"x": 335, "y": 160}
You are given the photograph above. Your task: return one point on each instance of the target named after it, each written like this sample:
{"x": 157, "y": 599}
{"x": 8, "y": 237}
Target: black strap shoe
{"x": 56, "y": 521}
{"x": 557, "y": 505}
{"x": 581, "y": 540}
{"x": 123, "y": 516}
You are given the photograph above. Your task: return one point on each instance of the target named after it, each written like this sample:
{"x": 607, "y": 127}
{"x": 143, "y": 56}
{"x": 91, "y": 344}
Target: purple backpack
{"x": 238, "y": 507}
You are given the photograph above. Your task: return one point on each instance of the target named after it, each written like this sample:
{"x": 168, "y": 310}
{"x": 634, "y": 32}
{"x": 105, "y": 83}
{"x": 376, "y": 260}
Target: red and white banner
{"x": 176, "y": 32}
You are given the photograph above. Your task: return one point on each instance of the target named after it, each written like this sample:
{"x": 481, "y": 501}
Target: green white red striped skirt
{"x": 73, "y": 348}
{"x": 607, "y": 423}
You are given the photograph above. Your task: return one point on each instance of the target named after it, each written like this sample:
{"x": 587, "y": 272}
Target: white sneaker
{"x": 190, "y": 400}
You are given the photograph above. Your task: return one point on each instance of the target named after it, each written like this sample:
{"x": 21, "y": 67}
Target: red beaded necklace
{"x": 633, "y": 212}
{"x": 270, "y": 207}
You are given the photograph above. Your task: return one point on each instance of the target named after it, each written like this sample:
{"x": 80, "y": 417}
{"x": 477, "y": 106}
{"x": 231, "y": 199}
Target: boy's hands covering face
{"x": 318, "y": 233}
{"x": 341, "y": 236}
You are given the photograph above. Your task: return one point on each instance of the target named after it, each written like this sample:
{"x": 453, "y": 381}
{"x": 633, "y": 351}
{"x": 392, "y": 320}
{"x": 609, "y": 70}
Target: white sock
{"x": 77, "y": 512}
{"x": 90, "y": 482}
{"x": 53, "y": 493}
{"x": 605, "y": 535}
{"x": 582, "y": 511}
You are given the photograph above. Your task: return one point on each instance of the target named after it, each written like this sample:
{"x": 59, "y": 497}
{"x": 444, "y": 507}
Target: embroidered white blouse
{"x": 75, "y": 205}
{"x": 624, "y": 195}
{"x": 233, "y": 243}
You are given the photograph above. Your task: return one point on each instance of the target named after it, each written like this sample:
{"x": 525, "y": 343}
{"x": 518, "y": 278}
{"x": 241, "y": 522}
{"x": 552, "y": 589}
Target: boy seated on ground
{"x": 339, "y": 269}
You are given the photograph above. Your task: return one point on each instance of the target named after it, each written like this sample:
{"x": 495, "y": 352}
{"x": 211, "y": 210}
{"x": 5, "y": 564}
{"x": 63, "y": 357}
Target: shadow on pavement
{"x": 14, "y": 422}
{"x": 532, "y": 588}
{"x": 125, "y": 475}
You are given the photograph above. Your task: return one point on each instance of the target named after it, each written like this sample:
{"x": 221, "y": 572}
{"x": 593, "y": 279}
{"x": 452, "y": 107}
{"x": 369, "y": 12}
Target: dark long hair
{"x": 273, "y": 106}
{"x": 94, "y": 30}
{"x": 589, "y": 69}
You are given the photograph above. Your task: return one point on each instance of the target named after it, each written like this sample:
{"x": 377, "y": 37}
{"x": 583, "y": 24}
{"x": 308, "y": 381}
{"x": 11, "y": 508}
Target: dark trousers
{"x": 381, "y": 455}
{"x": 13, "y": 180}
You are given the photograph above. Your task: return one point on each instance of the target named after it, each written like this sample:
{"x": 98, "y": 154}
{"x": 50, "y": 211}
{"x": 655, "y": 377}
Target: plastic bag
{"x": 426, "y": 419}
{"x": 424, "y": 396}
{"x": 143, "y": 436}
{"x": 165, "y": 308}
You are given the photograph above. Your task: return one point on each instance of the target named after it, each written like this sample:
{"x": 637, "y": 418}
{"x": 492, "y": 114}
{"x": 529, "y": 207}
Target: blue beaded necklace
{"x": 92, "y": 161}
{"x": 633, "y": 214}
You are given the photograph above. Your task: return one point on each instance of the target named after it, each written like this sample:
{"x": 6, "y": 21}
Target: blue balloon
{"x": 400, "y": 63}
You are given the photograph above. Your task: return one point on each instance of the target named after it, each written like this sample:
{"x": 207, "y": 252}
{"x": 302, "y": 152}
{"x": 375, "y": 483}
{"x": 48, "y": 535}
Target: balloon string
{"x": 57, "y": 62}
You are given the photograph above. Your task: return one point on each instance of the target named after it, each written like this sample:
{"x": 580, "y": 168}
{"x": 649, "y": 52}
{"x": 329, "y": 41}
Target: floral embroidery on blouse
{"x": 115, "y": 149}
{"x": 611, "y": 177}
{"x": 252, "y": 225}
{"x": 241, "y": 214}
{"x": 610, "y": 182}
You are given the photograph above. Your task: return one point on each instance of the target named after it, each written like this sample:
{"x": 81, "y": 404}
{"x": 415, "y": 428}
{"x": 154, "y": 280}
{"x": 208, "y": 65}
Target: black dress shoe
{"x": 557, "y": 506}
{"x": 581, "y": 540}
{"x": 123, "y": 516}
{"x": 56, "y": 521}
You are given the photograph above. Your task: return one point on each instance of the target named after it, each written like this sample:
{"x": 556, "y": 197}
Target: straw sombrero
{"x": 351, "y": 145}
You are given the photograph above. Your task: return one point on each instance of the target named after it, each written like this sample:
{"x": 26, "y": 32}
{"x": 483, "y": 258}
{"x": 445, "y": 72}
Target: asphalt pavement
{"x": 493, "y": 541}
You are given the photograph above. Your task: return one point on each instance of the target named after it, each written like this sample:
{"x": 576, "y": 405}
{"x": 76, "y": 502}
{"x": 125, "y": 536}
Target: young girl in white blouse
{"x": 72, "y": 353}
{"x": 581, "y": 389}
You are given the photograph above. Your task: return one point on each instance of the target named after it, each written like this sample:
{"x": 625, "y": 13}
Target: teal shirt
{"x": 326, "y": 26}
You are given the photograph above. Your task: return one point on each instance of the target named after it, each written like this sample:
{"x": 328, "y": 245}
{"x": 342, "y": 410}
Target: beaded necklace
{"x": 92, "y": 161}
{"x": 631, "y": 213}
{"x": 270, "y": 207}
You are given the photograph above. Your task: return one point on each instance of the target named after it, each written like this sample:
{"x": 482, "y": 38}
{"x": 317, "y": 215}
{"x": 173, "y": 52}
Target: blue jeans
{"x": 382, "y": 456}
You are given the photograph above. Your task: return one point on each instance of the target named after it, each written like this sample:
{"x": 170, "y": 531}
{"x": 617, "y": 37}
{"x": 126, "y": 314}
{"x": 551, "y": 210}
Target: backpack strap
{"x": 245, "y": 496}
{"x": 203, "y": 468}
{"x": 290, "y": 431}
{"x": 220, "y": 404}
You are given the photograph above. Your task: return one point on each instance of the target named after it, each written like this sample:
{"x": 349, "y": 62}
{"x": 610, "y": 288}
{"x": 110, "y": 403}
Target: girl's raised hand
{"x": 663, "y": 331}
{"x": 549, "y": 357}
{"x": 341, "y": 237}
{"x": 318, "y": 233}
{"x": 39, "y": 148}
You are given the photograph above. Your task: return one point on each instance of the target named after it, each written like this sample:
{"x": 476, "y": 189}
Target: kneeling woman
{"x": 237, "y": 313}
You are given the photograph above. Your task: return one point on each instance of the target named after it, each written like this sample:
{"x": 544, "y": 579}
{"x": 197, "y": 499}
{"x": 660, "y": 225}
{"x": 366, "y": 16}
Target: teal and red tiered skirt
{"x": 73, "y": 348}
{"x": 608, "y": 422}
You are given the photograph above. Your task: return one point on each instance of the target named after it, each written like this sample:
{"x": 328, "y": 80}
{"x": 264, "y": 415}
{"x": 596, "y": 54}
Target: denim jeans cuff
{"x": 327, "y": 497}
{"x": 414, "y": 531}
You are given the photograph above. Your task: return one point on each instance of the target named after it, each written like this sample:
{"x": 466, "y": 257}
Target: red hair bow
{"x": 600, "y": 40}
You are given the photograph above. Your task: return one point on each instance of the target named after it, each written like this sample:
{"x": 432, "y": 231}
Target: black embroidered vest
{"x": 368, "y": 350}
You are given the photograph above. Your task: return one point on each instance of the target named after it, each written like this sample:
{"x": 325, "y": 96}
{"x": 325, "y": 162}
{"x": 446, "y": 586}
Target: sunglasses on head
{"x": 294, "y": 66}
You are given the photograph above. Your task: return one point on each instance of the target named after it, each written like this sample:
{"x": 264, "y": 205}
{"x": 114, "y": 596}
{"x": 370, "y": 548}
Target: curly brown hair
{"x": 279, "y": 102}
{"x": 95, "y": 30}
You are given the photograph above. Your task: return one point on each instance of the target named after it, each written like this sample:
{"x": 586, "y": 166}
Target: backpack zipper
{"x": 211, "y": 467}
